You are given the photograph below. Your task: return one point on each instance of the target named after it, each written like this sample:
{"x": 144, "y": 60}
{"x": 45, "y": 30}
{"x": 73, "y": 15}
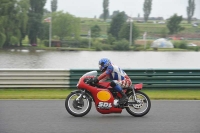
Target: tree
{"x": 101, "y": 16}
{"x": 173, "y": 24}
{"x": 46, "y": 12}
{"x": 95, "y": 31}
{"x": 125, "y": 32}
{"x": 54, "y": 5}
{"x": 190, "y": 10}
{"x": 2, "y": 39}
{"x": 12, "y": 21}
{"x": 35, "y": 19}
{"x": 23, "y": 17}
{"x": 44, "y": 31}
{"x": 115, "y": 13}
{"x": 105, "y": 9}
{"x": 3, "y": 16}
{"x": 116, "y": 24}
{"x": 65, "y": 25}
{"x": 147, "y": 9}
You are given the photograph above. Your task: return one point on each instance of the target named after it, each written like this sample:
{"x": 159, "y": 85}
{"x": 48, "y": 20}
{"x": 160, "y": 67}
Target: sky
{"x": 92, "y": 8}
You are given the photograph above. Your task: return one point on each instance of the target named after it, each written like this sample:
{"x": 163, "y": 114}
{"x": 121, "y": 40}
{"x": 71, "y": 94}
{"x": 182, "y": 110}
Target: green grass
{"x": 171, "y": 94}
{"x": 34, "y": 93}
{"x": 167, "y": 49}
{"x": 150, "y": 27}
{"x": 174, "y": 94}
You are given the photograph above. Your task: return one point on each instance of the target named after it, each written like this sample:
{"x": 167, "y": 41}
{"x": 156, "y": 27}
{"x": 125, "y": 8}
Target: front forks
{"x": 81, "y": 95}
{"x": 135, "y": 100}
{"x": 134, "y": 95}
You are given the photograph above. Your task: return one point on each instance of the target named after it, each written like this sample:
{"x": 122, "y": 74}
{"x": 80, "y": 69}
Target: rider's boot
{"x": 123, "y": 99}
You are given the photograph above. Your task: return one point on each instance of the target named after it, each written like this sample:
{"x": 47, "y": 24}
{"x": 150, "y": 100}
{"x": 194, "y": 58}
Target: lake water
{"x": 40, "y": 59}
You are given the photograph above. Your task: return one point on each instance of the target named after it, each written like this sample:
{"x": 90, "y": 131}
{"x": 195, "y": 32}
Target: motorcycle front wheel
{"x": 77, "y": 107}
{"x": 140, "y": 106}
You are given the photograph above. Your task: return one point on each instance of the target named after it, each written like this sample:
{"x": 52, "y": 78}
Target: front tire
{"x": 78, "y": 108}
{"x": 142, "y": 107}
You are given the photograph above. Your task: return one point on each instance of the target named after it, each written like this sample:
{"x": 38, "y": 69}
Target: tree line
{"x": 147, "y": 7}
{"x": 21, "y": 18}
{"x": 120, "y": 28}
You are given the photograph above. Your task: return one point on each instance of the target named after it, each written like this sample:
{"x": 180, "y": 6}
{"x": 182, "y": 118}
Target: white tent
{"x": 162, "y": 43}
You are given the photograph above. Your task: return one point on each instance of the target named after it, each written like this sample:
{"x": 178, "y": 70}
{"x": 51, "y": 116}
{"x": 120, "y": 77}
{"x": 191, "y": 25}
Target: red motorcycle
{"x": 78, "y": 103}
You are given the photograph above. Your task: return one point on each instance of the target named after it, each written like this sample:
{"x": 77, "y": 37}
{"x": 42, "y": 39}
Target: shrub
{"x": 98, "y": 47}
{"x": 180, "y": 44}
{"x": 96, "y": 44}
{"x": 197, "y": 48}
{"x": 121, "y": 45}
{"x": 176, "y": 44}
{"x": 110, "y": 39}
{"x": 106, "y": 47}
{"x": 193, "y": 48}
{"x": 183, "y": 45}
{"x": 83, "y": 43}
{"x": 138, "y": 47}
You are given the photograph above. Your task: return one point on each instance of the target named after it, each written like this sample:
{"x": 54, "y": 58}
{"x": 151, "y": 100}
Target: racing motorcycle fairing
{"x": 101, "y": 94}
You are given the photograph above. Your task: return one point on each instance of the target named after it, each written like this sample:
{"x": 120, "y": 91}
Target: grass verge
{"x": 170, "y": 94}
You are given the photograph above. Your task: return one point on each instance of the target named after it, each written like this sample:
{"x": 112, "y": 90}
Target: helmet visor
{"x": 100, "y": 67}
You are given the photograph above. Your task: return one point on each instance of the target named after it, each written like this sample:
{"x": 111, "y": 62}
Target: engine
{"x": 116, "y": 102}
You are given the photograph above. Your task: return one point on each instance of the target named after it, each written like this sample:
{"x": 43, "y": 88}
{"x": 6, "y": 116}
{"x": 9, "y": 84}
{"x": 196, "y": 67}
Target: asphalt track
{"x": 50, "y": 116}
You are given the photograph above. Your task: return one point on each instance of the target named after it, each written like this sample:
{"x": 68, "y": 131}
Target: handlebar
{"x": 90, "y": 81}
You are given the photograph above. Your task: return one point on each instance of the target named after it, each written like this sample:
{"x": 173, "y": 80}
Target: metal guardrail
{"x": 33, "y": 78}
{"x": 48, "y": 78}
{"x": 154, "y": 78}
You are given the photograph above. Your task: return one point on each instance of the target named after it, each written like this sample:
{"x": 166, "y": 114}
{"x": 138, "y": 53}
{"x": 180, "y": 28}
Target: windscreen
{"x": 91, "y": 73}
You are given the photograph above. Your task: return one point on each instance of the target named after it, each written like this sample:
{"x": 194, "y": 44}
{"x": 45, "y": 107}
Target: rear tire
{"x": 77, "y": 109}
{"x": 140, "y": 109}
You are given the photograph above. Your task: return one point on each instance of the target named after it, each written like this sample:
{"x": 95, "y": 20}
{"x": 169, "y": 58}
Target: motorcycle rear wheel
{"x": 77, "y": 108}
{"x": 142, "y": 107}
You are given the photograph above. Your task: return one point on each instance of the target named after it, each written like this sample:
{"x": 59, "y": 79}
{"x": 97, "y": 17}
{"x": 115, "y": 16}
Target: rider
{"x": 119, "y": 78}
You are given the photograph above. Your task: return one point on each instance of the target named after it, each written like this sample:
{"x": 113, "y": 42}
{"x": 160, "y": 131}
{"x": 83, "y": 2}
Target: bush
{"x": 121, "y": 45}
{"x": 180, "y": 44}
{"x": 98, "y": 47}
{"x": 148, "y": 45}
{"x": 106, "y": 47}
{"x": 96, "y": 44}
{"x": 193, "y": 48}
{"x": 138, "y": 47}
{"x": 183, "y": 45}
{"x": 83, "y": 43}
{"x": 197, "y": 48}
{"x": 176, "y": 44}
{"x": 110, "y": 39}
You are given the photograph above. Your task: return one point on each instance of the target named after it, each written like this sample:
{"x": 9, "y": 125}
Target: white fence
{"x": 30, "y": 78}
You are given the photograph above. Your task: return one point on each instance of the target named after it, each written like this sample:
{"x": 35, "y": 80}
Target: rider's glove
{"x": 93, "y": 80}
